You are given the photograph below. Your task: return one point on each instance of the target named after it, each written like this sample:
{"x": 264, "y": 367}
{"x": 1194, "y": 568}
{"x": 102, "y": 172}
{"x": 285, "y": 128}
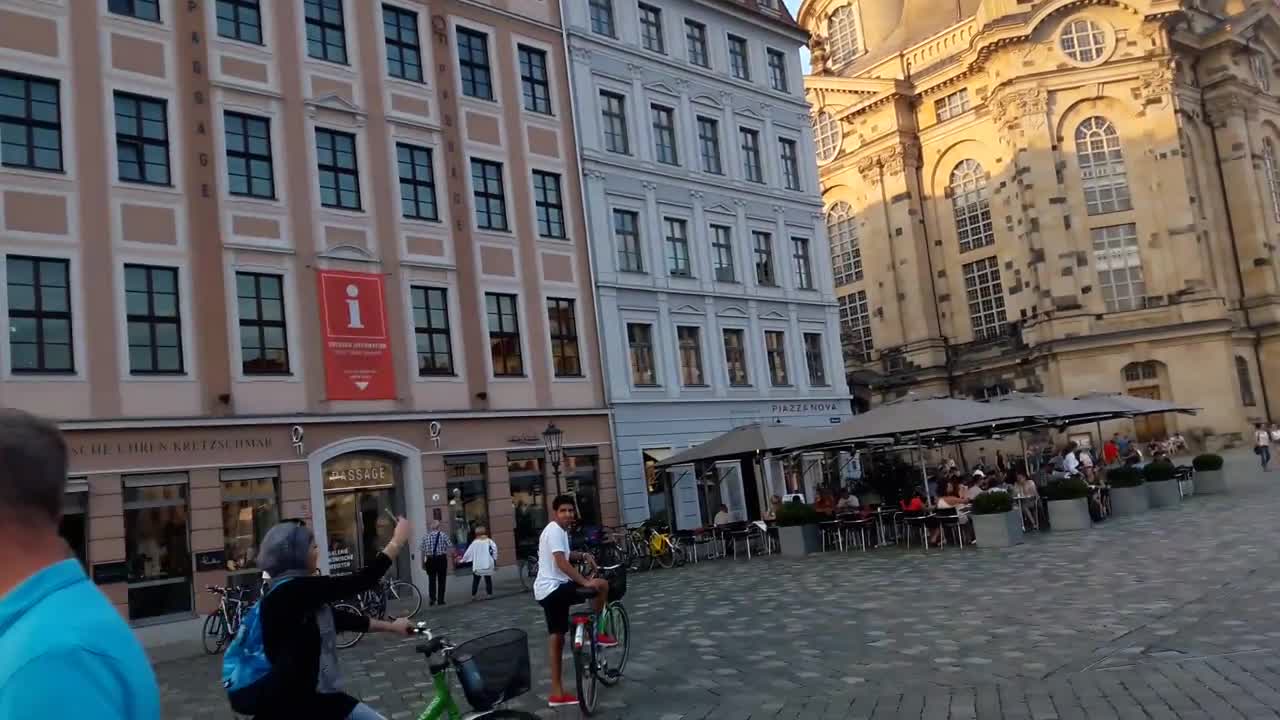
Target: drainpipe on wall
{"x": 591, "y": 260}
{"x": 1235, "y": 251}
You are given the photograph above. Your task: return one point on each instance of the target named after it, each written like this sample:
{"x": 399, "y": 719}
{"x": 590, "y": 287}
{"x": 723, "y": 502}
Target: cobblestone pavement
{"x": 1167, "y": 615}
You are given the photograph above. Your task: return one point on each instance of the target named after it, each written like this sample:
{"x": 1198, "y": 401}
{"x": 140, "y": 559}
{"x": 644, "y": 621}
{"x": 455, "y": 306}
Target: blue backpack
{"x": 246, "y": 671}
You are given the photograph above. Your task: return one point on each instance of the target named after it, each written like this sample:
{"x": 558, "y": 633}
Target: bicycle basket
{"x": 493, "y": 668}
{"x": 617, "y": 582}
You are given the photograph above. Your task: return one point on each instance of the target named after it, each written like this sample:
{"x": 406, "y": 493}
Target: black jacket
{"x": 291, "y": 639}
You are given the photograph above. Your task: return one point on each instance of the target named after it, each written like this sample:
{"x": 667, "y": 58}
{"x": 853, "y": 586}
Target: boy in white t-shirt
{"x": 556, "y": 590}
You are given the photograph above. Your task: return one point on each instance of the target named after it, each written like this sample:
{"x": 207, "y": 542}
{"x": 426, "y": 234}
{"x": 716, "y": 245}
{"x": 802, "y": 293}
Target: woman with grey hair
{"x": 299, "y": 628}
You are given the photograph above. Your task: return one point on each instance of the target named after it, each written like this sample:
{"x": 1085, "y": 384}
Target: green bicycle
{"x": 492, "y": 669}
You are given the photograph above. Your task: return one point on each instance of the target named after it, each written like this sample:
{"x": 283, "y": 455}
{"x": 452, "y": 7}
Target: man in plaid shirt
{"x": 437, "y": 560}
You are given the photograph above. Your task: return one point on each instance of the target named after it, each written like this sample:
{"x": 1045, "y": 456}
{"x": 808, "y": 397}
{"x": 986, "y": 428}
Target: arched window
{"x": 1246, "y": 382}
{"x": 846, "y": 256}
{"x": 827, "y": 136}
{"x": 1083, "y": 40}
{"x": 1273, "y": 182}
{"x": 1102, "y": 173}
{"x": 972, "y": 209}
{"x": 843, "y": 35}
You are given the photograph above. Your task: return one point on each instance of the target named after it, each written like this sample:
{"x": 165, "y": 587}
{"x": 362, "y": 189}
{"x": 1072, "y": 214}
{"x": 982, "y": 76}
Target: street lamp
{"x": 552, "y": 438}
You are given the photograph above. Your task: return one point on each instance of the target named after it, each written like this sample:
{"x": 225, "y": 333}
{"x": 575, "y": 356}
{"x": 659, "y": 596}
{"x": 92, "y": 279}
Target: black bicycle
{"x": 388, "y": 600}
{"x": 221, "y": 624}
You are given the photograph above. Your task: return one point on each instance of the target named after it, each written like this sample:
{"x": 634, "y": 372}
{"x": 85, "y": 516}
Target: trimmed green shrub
{"x": 1066, "y": 489}
{"x": 992, "y": 503}
{"x": 1207, "y": 461}
{"x": 1158, "y": 472}
{"x": 798, "y": 513}
{"x": 1124, "y": 477}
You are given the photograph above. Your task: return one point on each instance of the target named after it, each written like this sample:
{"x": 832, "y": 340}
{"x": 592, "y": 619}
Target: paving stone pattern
{"x": 1167, "y": 615}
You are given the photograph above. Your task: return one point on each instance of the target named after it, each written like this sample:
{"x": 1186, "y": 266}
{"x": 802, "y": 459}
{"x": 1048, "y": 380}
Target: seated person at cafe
{"x": 947, "y": 502}
{"x": 913, "y": 504}
{"x": 973, "y": 489}
{"x": 1070, "y": 463}
{"x": 722, "y": 516}
{"x": 825, "y": 504}
{"x": 847, "y": 502}
{"x": 1111, "y": 450}
{"x": 1023, "y": 487}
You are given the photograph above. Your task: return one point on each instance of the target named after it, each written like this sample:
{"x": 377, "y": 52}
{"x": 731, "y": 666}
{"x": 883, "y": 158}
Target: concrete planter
{"x": 997, "y": 529}
{"x": 1069, "y": 515}
{"x": 1209, "y": 482}
{"x": 1163, "y": 494}
{"x": 1129, "y": 501}
{"x": 799, "y": 540}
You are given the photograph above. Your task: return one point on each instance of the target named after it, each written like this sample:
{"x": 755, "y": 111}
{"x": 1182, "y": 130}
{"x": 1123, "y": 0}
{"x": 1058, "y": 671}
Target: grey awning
{"x": 1130, "y": 406}
{"x": 756, "y": 437}
{"x": 912, "y": 417}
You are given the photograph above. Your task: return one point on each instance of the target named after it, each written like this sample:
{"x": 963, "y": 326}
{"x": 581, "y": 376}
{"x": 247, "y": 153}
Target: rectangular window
{"x": 466, "y": 482}
{"x": 240, "y": 20}
{"x": 527, "y": 484}
{"x": 142, "y": 139}
{"x": 404, "y": 49}
{"x": 250, "y": 507}
{"x": 762, "y": 242}
{"x": 722, "y": 252}
{"x": 490, "y": 198}
{"x": 985, "y": 298}
{"x": 709, "y": 145}
{"x": 739, "y": 62}
{"x": 778, "y": 70}
{"x": 1119, "y": 265}
{"x": 735, "y": 357}
{"x": 677, "y": 232}
{"x": 651, "y": 29}
{"x": 695, "y": 36}
{"x": 855, "y": 326}
{"x": 690, "y": 342}
{"x": 431, "y": 330}
{"x": 614, "y": 113}
{"x": 326, "y": 31}
{"x": 339, "y": 171}
{"x": 504, "y": 335}
{"x": 846, "y": 255}
{"x": 473, "y": 63}
{"x": 582, "y": 481}
{"x": 664, "y": 135}
{"x": 548, "y": 201}
{"x": 155, "y": 327}
{"x": 534, "y": 85}
{"x": 814, "y": 361}
{"x": 626, "y": 227}
{"x": 751, "y": 168}
{"x": 1245, "y": 378}
{"x": 416, "y": 166}
{"x": 30, "y": 123}
{"x": 602, "y": 18}
{"x": 39, "y": 315}
{"x": 74, "y": 527}
{"x": 250, "y": 171}
{"x": 264, "y": 340}
{"x": 640, "y": 344}
{"x": 800, "y": 263}
{"x": 141, "y": 9}
{"x": 775, "y": 347}
{"x": 563, "y": 320}
{"x": 157, "y": 544}
{"x": 952, "y": 105}
{"x": 790, "y": 164}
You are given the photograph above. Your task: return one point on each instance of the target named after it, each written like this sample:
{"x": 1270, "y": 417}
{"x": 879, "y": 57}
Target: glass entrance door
{"x": 361, "y": 497}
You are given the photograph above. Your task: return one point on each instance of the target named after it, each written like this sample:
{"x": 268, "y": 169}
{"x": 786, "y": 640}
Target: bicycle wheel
{"x": 666, "y": 557}
{"x": 679, "y": 552}
{"x": 584, "y": 669}
{"x": 617, "y": 624}
{"x": 347, "y": 639}
{"x": 528, "y": 571}
{"x": 404, "y": 600}
{"x": 212, "y": 636}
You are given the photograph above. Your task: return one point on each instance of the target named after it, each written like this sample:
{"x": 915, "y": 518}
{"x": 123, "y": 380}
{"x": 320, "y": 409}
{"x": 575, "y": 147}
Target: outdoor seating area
{"x": 901, "y": 493}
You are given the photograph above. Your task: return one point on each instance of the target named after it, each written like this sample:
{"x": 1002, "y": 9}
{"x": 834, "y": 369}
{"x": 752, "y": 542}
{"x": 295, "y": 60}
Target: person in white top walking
{"x": 482, "y": 553}
{"x": 1262, "y": 445}
{"x": 556, "y": 590}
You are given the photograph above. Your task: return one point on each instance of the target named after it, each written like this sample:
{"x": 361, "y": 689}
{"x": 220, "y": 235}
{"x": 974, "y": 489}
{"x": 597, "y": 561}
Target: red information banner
{"x": 357, "y": 346}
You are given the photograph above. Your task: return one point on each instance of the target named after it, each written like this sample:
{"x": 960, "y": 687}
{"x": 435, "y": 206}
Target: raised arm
{"x": 325, "y": 590}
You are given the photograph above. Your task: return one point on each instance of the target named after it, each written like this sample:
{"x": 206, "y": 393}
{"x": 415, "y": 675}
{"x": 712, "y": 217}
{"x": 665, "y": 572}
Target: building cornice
{"x": 315, "y": 419}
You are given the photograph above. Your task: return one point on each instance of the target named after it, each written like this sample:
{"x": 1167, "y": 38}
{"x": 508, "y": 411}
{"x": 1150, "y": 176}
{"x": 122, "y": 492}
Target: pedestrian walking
{"x": 65, "y": 651}
{"x": 437, "y": 560}
{"x": 1262, "y": 445}
{"x": 482, "y": 553}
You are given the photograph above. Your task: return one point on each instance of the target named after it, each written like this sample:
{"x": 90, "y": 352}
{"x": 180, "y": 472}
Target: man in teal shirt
{"x": 65, "y": 652}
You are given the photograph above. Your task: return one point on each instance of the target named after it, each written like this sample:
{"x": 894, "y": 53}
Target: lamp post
{"x": 552, "y": 438}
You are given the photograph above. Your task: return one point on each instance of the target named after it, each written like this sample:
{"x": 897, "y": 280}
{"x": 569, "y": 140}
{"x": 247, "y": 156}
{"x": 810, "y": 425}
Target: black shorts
{"x": 556, "y": 607}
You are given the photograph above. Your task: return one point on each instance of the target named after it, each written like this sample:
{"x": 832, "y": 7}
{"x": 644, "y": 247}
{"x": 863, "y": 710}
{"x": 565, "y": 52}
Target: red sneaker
{"x": 604, "y": 640}
{"x": 561, "y": 700}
